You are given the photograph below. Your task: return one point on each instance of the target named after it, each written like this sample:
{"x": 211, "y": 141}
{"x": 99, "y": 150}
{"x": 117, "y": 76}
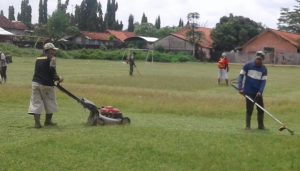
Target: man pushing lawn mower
{"x": 43, "y": 94}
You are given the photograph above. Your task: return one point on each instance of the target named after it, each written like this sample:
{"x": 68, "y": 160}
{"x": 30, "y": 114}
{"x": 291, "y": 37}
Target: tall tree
{"x": 165, "y": 31}
{"x": 157, "y": 23}
{"x": 57, "y": 24}
{"x": 58, "y": 4}
{"x": 41, "y": 12}
{"x": 45, "y": 12}
{"x": 11, "y": 13}
{"x": 77, "y": 15}
{"x": 110, "y": 15}
{"x": 290, "y": 19}
{"x": 62, "y": 7}
{"x": 101, "y": 25}
{"x": 118, "y": 25}
{"x": 145, "y": 29}
{"x": 234, "y": 31}
{"x": 82, "y": 16}
{"x": 19, "y": 17}
{"x": 130, "y": 23}
{"x": 72, "y": 19}
{"x": 121, "y": 25}
{"x": 144, "y": 19}
{"x": 90, "y": 16}
{"x": 181, "y": 24}
{"x": 91, "y": 13}
{"x": 194, "y": 37}
{"x": 25, "y": 15}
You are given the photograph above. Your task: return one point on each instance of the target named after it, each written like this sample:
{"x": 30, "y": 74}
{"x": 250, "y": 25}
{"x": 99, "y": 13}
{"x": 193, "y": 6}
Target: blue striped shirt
{"x": 255, "y": 78}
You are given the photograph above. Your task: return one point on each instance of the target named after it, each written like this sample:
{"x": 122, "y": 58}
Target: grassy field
{"x": 181, "y": 120}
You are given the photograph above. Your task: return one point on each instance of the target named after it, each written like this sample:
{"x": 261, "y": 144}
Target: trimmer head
{"x": 286, "y": 128}
{"x": 282, "y": 128}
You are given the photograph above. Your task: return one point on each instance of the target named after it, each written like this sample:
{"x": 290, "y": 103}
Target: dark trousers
{"x": 130, "y": 69}
{"x": 260, "y": 113}
{"x": 3, "y": 73}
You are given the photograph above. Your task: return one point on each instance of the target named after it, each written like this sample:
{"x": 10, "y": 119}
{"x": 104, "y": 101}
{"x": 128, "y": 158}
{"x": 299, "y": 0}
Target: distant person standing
{"x": 43, "y": 94}
{"x": 283, "y": 59}
{"x": 252, "y": 82}
{"x": 223, "y": 65}
{"x": 3, "y": 66}
{"x": 131, "y": 63}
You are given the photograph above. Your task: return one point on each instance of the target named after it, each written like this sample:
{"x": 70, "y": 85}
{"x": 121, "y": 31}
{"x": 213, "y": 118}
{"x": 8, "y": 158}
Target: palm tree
{"x": 193, "y": 36}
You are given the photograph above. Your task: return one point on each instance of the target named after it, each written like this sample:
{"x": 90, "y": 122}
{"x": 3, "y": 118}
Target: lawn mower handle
{"x": 85, "y": 103}
{"x": 68, "y": 93}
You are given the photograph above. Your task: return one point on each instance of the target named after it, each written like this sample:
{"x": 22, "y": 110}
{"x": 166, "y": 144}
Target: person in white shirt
{"x": 3, "y": 66}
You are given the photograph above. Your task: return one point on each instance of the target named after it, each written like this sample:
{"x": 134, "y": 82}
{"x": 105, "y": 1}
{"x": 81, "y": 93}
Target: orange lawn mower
{"x": 99, "y": 116}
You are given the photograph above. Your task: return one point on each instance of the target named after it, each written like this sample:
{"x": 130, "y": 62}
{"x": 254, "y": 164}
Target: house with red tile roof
{"x": 206, "y": 40}
{"x": 15, "y": 27}
{"x": 121, "y": 36}
{"x": 109, "y": 39}
{"x": 280, "y": 47}
{"x": 91, "y": 39}
{"x": 179, "y": 41}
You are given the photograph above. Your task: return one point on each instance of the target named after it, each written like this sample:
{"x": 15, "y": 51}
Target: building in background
{"x": 280, "y": 47}
{"x": 5, "y": 36}
{"x": 179, "y": 42}
{"x": 15, "y": 27}
{"x": 91, "y": 39}
{"x": 142, "y": 42}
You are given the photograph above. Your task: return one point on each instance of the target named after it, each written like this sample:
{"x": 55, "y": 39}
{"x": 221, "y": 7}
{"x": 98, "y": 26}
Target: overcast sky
{"x": 265, "y": 11}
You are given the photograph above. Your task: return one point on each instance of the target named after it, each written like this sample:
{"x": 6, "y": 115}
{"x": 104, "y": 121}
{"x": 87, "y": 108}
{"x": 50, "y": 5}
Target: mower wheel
{"x": 100, "y": 122}
{"x": 125, "y": 121}
{"x": 93, "y": 119}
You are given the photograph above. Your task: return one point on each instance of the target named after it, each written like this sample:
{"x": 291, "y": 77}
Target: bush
{"x": 119, "y": 54}
{"x": 13, "y": 50}
{"x": 98, "y": 54}
{"x": 159, "y": 48}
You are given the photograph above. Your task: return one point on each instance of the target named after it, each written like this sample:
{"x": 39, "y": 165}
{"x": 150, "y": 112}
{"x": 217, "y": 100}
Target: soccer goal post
{"x": 149, "y": 52}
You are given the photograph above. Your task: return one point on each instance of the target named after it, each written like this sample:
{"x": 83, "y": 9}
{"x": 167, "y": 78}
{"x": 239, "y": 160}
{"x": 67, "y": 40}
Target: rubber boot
{"x": 48, "y": 120}
{"x": 260, "y": 121}
{"x": 37, "y": 121}
{"x": 248, "y": 122}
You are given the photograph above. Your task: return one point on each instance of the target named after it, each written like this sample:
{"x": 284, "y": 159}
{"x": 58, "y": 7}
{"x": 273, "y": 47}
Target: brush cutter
{"x": 98, "y": 116}
{"x": 283, "y": 126}
{"x": 138, "y": 71}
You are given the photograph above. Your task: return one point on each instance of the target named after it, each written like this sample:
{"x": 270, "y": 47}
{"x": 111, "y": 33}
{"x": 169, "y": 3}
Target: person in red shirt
{"x": 223, "y": 66}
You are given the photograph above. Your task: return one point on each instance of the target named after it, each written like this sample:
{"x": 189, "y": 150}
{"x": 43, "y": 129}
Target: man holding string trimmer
{"x": 255, "y": 75}
{"x": 131, "y": 63}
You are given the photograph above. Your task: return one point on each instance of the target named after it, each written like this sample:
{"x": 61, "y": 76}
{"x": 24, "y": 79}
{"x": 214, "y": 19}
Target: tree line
{"x": 230, "y": 32}
{"x": 88, "y": 15}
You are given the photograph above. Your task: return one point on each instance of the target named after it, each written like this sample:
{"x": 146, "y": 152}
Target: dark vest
{"x": 43, "y": 73}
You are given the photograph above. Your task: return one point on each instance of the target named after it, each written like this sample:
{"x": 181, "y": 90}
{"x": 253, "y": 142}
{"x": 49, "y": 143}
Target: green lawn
{"x": 181, "y": 120}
